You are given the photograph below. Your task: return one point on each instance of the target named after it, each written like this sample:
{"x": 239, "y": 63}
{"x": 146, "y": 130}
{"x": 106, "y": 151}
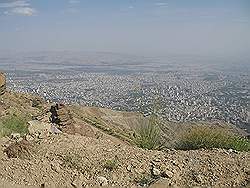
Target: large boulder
{"x": 2, "y": 83}
{"x": 39, "y": 129}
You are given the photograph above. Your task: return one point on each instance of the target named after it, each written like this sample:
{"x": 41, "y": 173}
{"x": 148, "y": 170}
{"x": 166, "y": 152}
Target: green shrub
{"x": 36, "y": 103}
{"x": 13, "y": 124}
{"x": 110, "y": 165}
{"x": 207, "y": 137}
{"x": 148, "y": 134}
{"x": 240, "y": 144}
{"x": 73, "y": 160}
{"x": 144, "y": 180}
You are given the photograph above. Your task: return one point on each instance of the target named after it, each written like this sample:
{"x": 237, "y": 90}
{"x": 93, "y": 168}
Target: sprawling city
{"x": 178, "y": 91}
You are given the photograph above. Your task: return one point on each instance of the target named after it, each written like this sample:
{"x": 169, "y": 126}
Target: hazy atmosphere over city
{"x": 124, "y": 93}
{"x": 139, "y": 27}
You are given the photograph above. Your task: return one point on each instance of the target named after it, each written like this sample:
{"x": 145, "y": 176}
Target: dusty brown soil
{"x": 22, "y": 149}
{"x": 75, "y": 161}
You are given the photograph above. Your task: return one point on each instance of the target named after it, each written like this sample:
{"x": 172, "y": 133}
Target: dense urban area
{"x": 176, "y": 93}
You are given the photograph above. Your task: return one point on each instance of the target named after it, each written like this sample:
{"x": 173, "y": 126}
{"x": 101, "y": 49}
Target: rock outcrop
{"x": 60, "y": 115}
{"x": 2, "y": 83}
{"x": 39, "y": 129}
{"x": 62, "y": 118}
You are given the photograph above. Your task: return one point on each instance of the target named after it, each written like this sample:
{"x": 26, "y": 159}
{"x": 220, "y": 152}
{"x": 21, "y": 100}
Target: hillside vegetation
{"x": 13, "y": 124}
{"x": 208, "y": 138}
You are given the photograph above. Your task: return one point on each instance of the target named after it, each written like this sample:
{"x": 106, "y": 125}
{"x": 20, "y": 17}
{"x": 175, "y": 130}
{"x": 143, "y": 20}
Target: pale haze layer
{"x": 145, "y": 27}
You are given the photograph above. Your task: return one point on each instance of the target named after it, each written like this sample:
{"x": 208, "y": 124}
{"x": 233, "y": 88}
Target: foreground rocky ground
{"x": 74, "y": 161}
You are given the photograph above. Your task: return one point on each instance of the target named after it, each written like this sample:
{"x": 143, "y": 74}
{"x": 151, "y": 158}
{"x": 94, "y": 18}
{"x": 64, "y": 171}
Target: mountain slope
{"x": 125, "y": 124}
{"x": 65, "y": 160}
{"x": 106, "y": 156}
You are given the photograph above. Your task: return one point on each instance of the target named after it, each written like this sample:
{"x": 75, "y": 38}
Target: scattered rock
{"x": 207, "y": 169}
{"x": 167, "y": 174}
{"x": 162, "y": 183}
{"x": 157, "y": 160}
{"x": 39, "y": 129}
{"x": 55, "y": 130}
{"x": 129, "y": 168}
{"x": 15, "y": 136}
{"x": 29, "y": 137}
{"x": 198, "y": 178}
{"x": 248, "y": 172}
{"x": 156, "y": 172}
{"x": 48, "y": 185}
{"x": 174, "y": 162}
{"x": 78, "y": 181}
{"x": 55, "y": 167}
{"x": 102, "y": 181}
{"x": 232, "y": 151}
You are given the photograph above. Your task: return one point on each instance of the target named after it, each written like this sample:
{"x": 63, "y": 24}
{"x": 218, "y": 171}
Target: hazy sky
{"x": 151, "y": 27}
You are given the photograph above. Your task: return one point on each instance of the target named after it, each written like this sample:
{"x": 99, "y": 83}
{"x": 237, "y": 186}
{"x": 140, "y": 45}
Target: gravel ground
{"x": 74, "y": 161}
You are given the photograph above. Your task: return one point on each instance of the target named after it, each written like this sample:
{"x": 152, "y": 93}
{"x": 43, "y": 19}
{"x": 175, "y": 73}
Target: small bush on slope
{"x": 13, "y": 124}
{"x": 111, "y": 164}
{"x": 148, "y": 135}
{"x": 73, "y": 160}
{"x": 205, "y": 137}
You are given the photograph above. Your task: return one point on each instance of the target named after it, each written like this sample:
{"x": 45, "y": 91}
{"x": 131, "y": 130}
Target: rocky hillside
{"x": 74, "y": 161}
{"x": 75, "y": 146}
{"x": 124, "y": 124}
